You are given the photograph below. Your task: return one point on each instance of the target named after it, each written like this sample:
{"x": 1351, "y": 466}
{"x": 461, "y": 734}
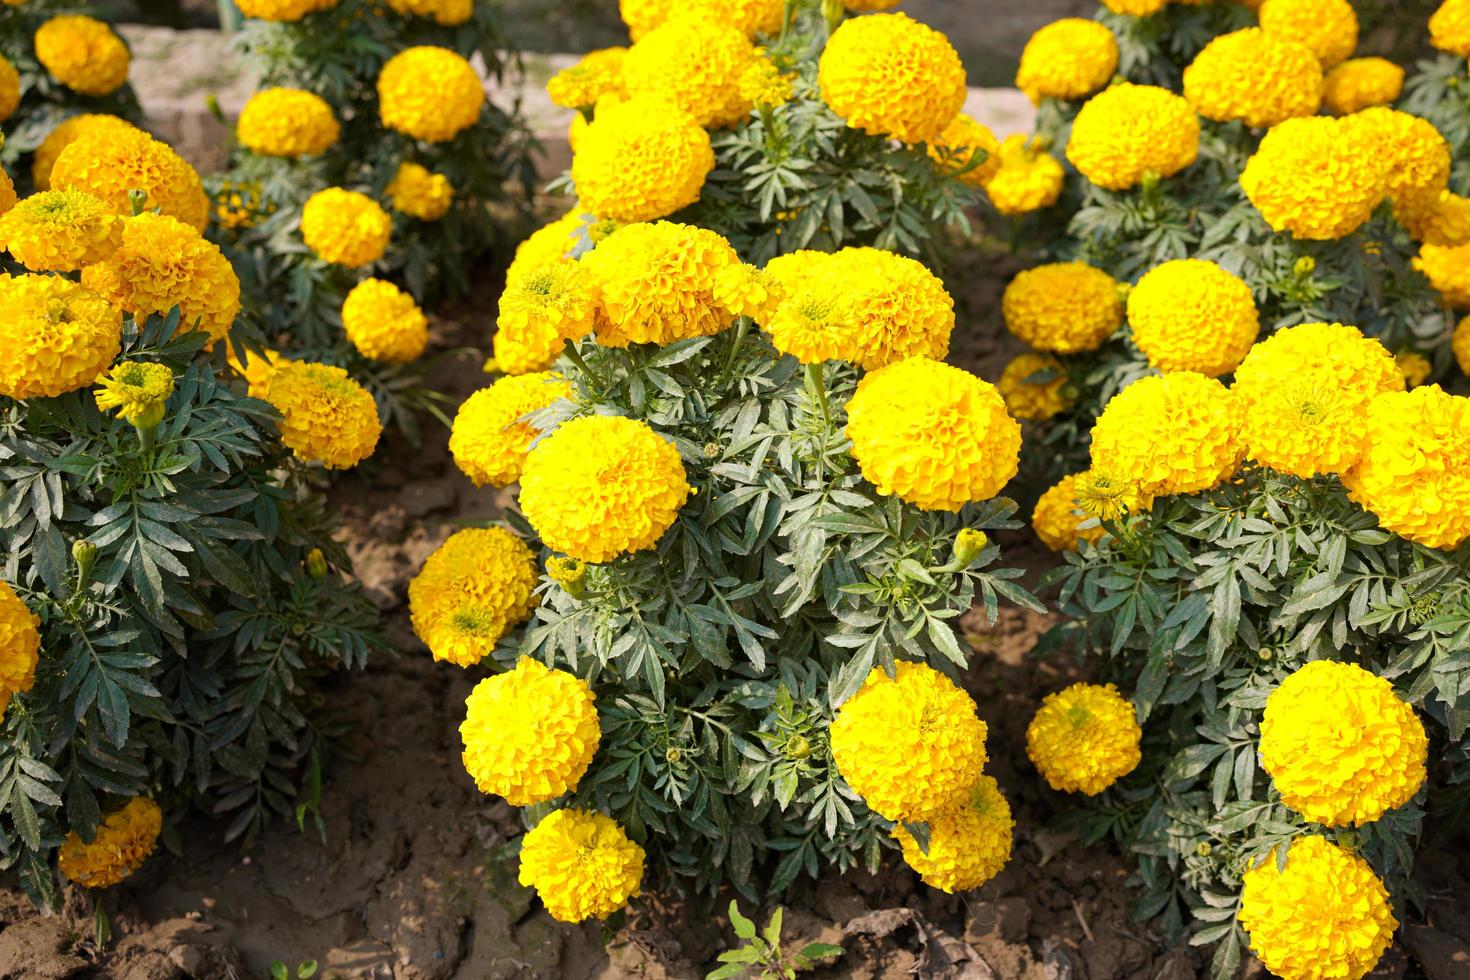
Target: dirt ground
{"x": 415, "y": 882}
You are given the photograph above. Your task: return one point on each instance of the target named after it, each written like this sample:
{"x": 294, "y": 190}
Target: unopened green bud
{"x": 137, "y": 202}
{"x": 1265, "y": 655}
{"x": 316, "y": 564}
{"x": 797, "y": 747}
{"x": 1203, "y": 849}
{"x": 833, "y": 10}
{"x": 673, "y": 755}
{"x": 711, "y": 450}
{"x": 967, "y": 546}
{"x": 84, "y": 553}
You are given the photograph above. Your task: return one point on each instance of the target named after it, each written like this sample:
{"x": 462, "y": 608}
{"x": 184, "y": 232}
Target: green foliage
{"x": 305, "y": 970}
{"x": 181, "y": 637}
{"x": 760, "y": 954}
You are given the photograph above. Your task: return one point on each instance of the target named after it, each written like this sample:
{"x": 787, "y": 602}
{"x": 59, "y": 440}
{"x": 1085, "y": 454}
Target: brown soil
{"x": 414, "y": 880}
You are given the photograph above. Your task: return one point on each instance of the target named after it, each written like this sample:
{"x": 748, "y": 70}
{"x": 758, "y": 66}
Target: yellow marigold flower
{"x": 326, "y": 417}
{"x": 889, "y": 75}
{"x": 450, "y": 13}
{"x": 1084, "y": 739}
{"x": 745, "y": 290}
{"x": 1415, "y": 474}
{"x": 655, "y": 283}
{"x": 60, "y": 231}
{"x": 67, "y": 131}
{"x": 569, "y": 573}
{"x": 1448, "y": 271}
{"x": 1304, "y": 393}
{"x": 9, "y": 89}
{"x": 1135, "y": 8}
{"x": 20, "y": 645}
{"x": 125, "y": 838}
{"x": 910, "y": 745}
{"x": 1415, "y": 367}
{"x": 1255, "y": 77}
{"x": 1027, "y": 179}
{"x": 1361, "y": 83}
{"x": 582, "y": 864}
{"x": 490, "y": 435}
{"x": 750, "y": 16}
{"x": 428, "y": 93}
{"x": 642, "y": 16}
{"x": 1435, "y": 219}
{"x": 1057, "y": 517}
{"x": 695, "y": 62}
{"x": 109, "y": 162}
{"x": 935, "y": 435}
{"x": 596, "y": 73}
{"x": 1129, "y": 132}
{"x": 552, "y": 242}
{"x": 601, "y": 486}
{"x": 1460, "y": 344}
{"x": 1318, "y": 178}
{"x": 345, "y": 227}
{"x": 529, "y": 733}
{"x": 1178, "y": 433}
{"x": 1107, "y": 497}
{"x": 1192, "y": 315}
{"x": 1415, "y": 156}
{"x": 540, "y": 310}
{"x": 138, "y": 390}
{"x": 57, "y": 336}
{"x": 283, "y": 10}
{"x": 1067, "y": 59}
{"x": 1326, "y": 914}
{"x": 83, "y": 54}
{"x": 967, "y": 845}
{"x": 162, "y": 263}
{"x": 418, "y": 193}
{"x": 956, "y": 147}
{"x": 384, "y": 323}
{"x": 1449, "y": 28}
{"x": 256, "y": 369}
{"x": 640, "y": 160}
{"x": 763, "y": 85}
{"x": 1038, "y": 400}
{"x": 1065, "y": 307}
{"x": 477, "y": 586}
{"x": 1341, "y": 746}
{"x": 1329, "y": 28}
{"x": 287, "y": 122}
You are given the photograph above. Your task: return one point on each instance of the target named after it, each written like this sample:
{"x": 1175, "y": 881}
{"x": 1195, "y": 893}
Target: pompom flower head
{"x": 1192, "y": 315}
{"x": 285, "y": 11}
{"x": 1129, "y": 132}
{"x": 1328, "y": 28}
{"x": 125, "y": 838}
{"x": 138, "y": 390}
{"x": 83, "y": 54}
{"x": 910, "y": 745}
{"x": 1361, "y": 83}
{"x": 475, "y": 588}
{"x": 9, "y": 89}
{"x": 419, "y": 193}
{"x": 596, "y": 73}
{"x": 695, "y": 62}
{"x": 1415, "y": 156}
{"x": 326, "y": 417}
{"x": 1325, "y": 914}
{"x": 111, "y": 162}
{"x": 287, "y": 122}
{"x": 968, "y": 149}
{"x": 582, "y": 865}
{"x": 540, "y": 310}
{"x": 1179, "y": 433}
{"x": 1057, "y": 518}
{"x": 529, "y": 733}
{"x": 20, "y": 646}
{"x": 1027, "y": 178}
{"x": 66, "y": 132}
{"x": 1341, "y": 746}
{"x": 934, "y": 435}
{"x": 490, "y": 436}
{"x": 1035, "y": 387}
{"x": 968, "y": 845}
{"x": 60, "y": 231}
{"x": 641, "y": 159}
{"x": 1254, "y": 77}
{"x": 601, "y": 486}
{"x": 345, "y": 227}
{"x": 429, "y": 93}
{"x": 57, "y": 336}
{"x": 1067, "y": 59}
{"x": 1449, "y": 28}
{"x": 889, "y": 75}
{"x": 1318, "y": 178}
{"x": 1064, "y": 307}
{"x": 1448, "y": 270}
{"x": 384, "y": 323}
{"x": 1084, "y": 738}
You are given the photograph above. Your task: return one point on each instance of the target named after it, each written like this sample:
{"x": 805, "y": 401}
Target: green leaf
{"x": 744, "y": 928}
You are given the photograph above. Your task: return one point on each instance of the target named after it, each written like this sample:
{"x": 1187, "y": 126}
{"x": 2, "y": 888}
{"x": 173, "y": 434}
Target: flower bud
{"x": 967, "y": 546}
{"x": 569, "y": 573}
{"x": 1304, "y": 267}
{"x": 316, "y": 564}
{"x": 797, "y": 747}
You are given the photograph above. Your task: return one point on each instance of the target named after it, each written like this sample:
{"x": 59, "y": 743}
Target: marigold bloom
{"x": 1415, "y": 474}
{"x": 540, "y": 310}
{"x": 430, "y": 94}
{"x": 1178, "y": 433}
{"x": 889, "y": 75}
{"x": 695, "y": 62}
{"x": 490, "y": 436}
{"x": 418, "y": 193}
{"x": 955, "y": 148}
{"x": 1135, "y": 8}
{"x": 596, "y": 73}
{"x": 1129, "y": 132}
{"x": 1255, "y": 77}
{"x": 1415, "y": 367}
{"x": 763, "y": 86}
{"x": 601, "y": 486}
{"x": 66, "y": 132}
{"x": 750, "y": 16}
{"x": 1036, "y": 400}
{"x": 892, "y": 307}
{"x": 640, "y": 160}
{"x": 582, "y": 865}
{"x": 1329, "y": 28}
{"x": 936, "y": 436}
{"x": 968, "y": 845}
{"x": 1027, "y": 179}
{"x": 345, "y": 227}
{"x": 552, "y": 242}
{"x": 655, "y": 283}
{"x": 256, "y": 369}
{"x": 1304, "y": 393}
{"x": 1318, "y": 178}
{"x": 57, "y": 336}
{"x": 326, "y": 417}
{"x": 60, "y": 231}
{"x": 287, "y": 122}
{"x": 1326, "y": 914}
{"x": 83, "y": 54}
{"x": 1416, "y": 158}
{"x": 125, "y": 838}
{"x": 1192, "y": 315}
{"x": 529, "y": 733}
{"x": 162, "y": 263}
{"x": 1064, "y": 307}
{"x": 283, "y": 10}
{"x": 1449, "y": 28}
{"x": 20, "y": 646}
{"x": 1067, "y": 59}
{"x": 1361, "y": 83}
{"x": 910, "y": 745}
{"x": 384, "y": 323}
{"x": 450, "y": 13}
{"x": 1460, "y": 344}
{"x": 1448, "y": 271}
{"x": 110, "y": 162}
{"x": 138, "y": 390}
{"x": 1057, "y": 517}
{"x": 9, "y": 89}
{"x": 745, "y": 290}
{"x": 1435, "y": 219}
{"x": 1084, "y": 738}
{"x": 476, "y": 587}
